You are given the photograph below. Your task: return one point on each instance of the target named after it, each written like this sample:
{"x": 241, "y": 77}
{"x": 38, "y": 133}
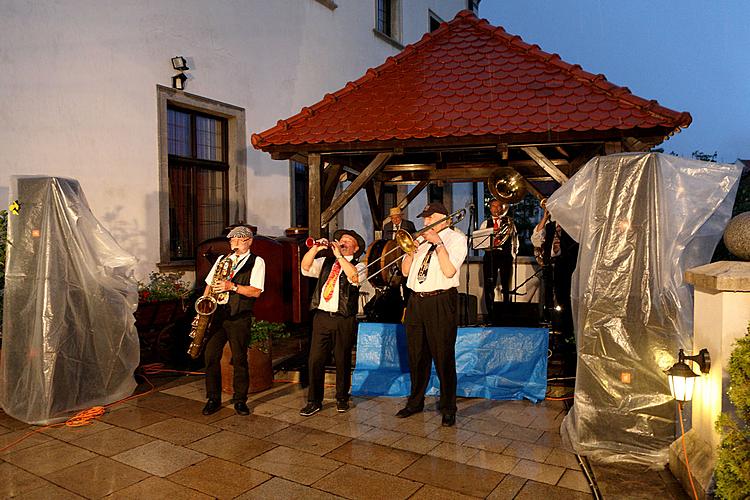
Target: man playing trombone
{"x": 432, "y": 272}
{"x": 335, "y": 302}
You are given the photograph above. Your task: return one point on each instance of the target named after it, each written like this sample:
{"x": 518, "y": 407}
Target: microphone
{"x": 470, "y": 205}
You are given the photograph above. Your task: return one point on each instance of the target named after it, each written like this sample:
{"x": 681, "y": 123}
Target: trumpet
{"x": 408, "y": 242}
{"x": 322, "y": 242}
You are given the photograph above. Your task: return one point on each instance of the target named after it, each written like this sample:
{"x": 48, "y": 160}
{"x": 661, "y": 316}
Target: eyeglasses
{"x": 240, "y": 239}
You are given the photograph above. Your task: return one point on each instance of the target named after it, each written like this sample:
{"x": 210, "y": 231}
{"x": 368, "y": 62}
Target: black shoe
{"x": 408, "y": 412}
{"x": 241, "y": 408}
{"x": 310, "y": 409}
{"x": 342, "y": 406}
{"x": 449, "y": 420}
{"x": 212, "y": 406}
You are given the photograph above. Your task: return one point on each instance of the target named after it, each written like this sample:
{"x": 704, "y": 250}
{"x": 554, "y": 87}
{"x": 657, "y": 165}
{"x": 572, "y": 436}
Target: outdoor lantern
{"x": 178, "y": 81}
{"x": 682, "y": 377}
{"x": 179, "y": 63}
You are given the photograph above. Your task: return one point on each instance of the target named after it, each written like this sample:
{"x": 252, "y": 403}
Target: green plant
{"x": 733, "y": 463}
{"x": 162, "y": 286}
{"x": 263, "y": 330}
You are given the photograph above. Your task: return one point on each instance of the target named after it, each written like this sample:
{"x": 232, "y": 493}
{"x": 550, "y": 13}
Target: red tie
{"x": 331, "y": 281}
{"x": 496, "y": 225}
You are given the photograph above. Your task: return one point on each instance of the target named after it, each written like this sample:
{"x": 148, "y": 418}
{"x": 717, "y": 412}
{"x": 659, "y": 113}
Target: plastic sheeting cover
{"x": 491, "y": 363}
{"x": 642, "y": 220}
{"x": 69, "y": 338}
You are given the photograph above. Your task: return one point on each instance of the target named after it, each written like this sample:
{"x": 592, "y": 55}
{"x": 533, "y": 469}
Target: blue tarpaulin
{"x": 491, "y": 362}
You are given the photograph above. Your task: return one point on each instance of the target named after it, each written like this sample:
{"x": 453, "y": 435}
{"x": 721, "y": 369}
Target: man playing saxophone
{"x": 233, "y": 319}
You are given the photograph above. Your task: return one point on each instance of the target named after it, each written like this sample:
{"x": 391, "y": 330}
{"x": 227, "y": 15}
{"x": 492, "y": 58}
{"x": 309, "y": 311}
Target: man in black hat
{"x": 335, "y": 301}
{"x": 233, "y": 319}
{"x": 431, "y": 321}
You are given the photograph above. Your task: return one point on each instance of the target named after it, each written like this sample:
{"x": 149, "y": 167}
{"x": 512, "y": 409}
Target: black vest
{"x": 348, "y": 293}
{"x": 239, "y": 304}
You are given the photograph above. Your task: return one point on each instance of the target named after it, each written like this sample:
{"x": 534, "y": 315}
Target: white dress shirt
{"x": 455, "y": 244}
{"x": 314, "y": 272}
{"x": 257, "y": 275}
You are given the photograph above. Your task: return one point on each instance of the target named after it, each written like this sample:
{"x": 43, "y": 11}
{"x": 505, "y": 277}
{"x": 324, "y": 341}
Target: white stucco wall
{"x": 78, "y": 90}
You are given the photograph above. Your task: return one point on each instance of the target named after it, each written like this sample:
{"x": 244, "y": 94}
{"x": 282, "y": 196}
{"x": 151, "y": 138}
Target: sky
{"x": 689, "y": 55}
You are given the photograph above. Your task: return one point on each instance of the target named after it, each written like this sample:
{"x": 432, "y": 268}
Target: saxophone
{"x": 206, "y": 306}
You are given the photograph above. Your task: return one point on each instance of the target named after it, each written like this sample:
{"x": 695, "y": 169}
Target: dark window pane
{"x": 181, "y": 221}
{"x": 209, "y": 141}
{"x": 210, "y": 197}
{"x": 434, "y": 24}
{"x": 384, "y": 17}
{"x": 178, "y": 133}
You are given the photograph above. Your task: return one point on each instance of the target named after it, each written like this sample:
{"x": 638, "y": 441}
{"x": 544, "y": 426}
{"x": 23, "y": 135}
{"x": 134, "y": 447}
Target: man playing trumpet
{"x": 233, "y": 320}
{"x": 431, "y": 321}
{"x": 335, "y": 302}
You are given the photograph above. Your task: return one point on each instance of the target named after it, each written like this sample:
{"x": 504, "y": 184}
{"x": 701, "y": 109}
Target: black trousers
{"x": 331, "y": 332}
{"x": 431, "y": 329}
{"x": 236, "y": 331}
{"x": 497, "y": 261}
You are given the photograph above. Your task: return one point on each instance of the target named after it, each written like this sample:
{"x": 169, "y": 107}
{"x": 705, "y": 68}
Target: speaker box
{"x": 516, "y": 314}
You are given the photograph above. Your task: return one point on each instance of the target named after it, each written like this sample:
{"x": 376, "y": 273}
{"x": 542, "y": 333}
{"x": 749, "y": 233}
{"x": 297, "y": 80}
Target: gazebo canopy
{"x": 466, "y": 98}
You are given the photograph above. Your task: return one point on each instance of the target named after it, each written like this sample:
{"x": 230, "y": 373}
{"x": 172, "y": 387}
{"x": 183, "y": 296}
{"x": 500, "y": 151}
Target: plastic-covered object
{"x": 491, "y": 363}
{"x": 642, "y": 220}
{"x": 69, "y": 337}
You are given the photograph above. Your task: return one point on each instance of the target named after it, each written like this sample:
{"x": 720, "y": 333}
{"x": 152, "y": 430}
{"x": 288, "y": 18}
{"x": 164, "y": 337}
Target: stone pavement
{"x": 161, "y": 446}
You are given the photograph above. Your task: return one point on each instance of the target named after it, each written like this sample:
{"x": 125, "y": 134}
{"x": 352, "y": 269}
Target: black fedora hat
{"x": 360, "y": 242}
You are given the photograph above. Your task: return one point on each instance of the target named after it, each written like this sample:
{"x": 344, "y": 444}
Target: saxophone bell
{"x": 206, "y": 305}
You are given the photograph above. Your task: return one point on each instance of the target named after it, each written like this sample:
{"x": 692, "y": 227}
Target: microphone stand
{"x": 468, "y": 271}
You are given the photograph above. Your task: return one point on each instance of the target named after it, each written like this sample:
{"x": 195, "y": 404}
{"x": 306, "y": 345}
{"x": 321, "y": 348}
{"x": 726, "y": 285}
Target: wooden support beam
{"x": 546, "y": 164}
{"x": 612, "y": 147}
{"x": 332, "y": 177}
{"x": 375, "y": 205}
{"x": 404, "y": 202}
{"x": 632, "y": 144}
{"x": 533, "y": 190}
{"x": 314, "y": 197}
{"x": 367, "y": 174}
{"x": 584, "y": 156}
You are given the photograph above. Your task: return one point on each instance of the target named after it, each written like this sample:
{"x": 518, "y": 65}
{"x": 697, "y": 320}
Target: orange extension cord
{"x": 684, "y": 449}
{"x": 87, "y": 417}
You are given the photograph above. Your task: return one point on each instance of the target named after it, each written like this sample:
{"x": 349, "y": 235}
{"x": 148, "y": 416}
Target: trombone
{"x": 407, "y": 242}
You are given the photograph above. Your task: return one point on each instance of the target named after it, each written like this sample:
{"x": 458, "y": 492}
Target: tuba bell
{"x": 507, "y": 185}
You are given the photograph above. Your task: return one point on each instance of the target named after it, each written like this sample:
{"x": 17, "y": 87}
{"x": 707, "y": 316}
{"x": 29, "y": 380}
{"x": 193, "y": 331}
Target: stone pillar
{"x": 722, "y": 313}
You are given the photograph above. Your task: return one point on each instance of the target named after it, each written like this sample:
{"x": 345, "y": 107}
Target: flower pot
{"x": 260, "y": 367}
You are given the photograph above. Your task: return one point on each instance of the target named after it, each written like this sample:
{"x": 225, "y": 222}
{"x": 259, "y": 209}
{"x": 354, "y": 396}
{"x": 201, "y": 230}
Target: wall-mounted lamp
{"x": 178, "y": 81}
{"x": 682, "y": 377}
{"x": 179, "y": 63}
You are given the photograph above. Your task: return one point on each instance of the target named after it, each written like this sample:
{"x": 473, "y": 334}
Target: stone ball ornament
{"x": 737, "y": 236}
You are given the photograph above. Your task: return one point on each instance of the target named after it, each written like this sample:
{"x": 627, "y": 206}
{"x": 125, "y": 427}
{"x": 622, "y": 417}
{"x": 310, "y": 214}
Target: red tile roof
{"x": 468, "y": 78}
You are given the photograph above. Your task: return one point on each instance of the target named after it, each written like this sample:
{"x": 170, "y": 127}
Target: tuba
{"x": 206, "y": 306}
{"x": 508, "y": 187}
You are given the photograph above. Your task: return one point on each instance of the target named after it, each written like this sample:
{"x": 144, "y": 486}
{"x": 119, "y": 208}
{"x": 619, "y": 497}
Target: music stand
{"x": 481, "y": 239}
